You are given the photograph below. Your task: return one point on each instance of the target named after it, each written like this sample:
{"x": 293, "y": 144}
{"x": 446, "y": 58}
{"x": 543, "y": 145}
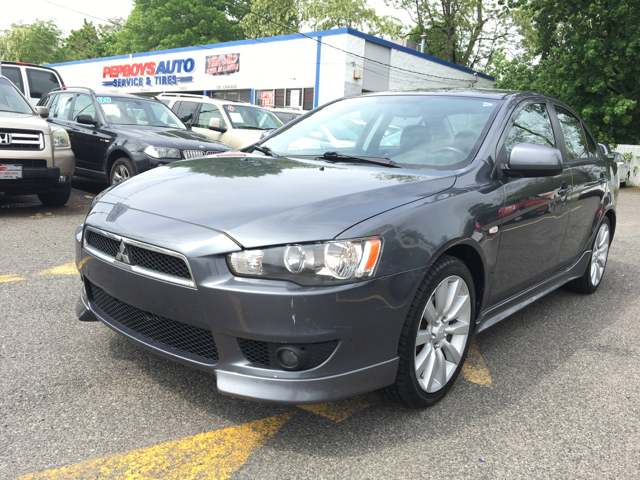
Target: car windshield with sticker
{"x": 128, "y": 111}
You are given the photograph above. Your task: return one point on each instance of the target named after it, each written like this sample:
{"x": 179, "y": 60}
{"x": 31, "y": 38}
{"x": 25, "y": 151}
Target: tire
{"x": 590, "y": 281}
{"x": 121, "y": 170}
{"x": 626, "y": 180}
{"x": 56, "y": 199}
{"x": 445, "y": 342}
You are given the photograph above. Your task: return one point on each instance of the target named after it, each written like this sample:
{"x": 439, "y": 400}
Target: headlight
{"x": 61, "y": 138}
{"x": 162, "y": 152}
{"x": 327, "y": 263}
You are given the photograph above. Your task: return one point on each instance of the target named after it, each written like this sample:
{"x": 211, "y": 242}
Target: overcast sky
{"x": 27, "y": 11}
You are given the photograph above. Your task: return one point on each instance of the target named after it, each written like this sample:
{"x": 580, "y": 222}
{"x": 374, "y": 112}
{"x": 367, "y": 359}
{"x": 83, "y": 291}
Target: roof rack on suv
{"x": 67, "y": 88}
{"x": 181, "y": 95}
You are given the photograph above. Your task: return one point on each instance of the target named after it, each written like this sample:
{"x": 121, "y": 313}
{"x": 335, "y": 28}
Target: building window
{"x": 279, "y": 99}
{"x": 307, "y": 103}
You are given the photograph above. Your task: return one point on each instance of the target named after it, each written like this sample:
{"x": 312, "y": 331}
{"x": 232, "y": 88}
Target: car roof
{"x": 494, "y": 93}
{"x": 28, "y": 65}
{"x": 202, "y": 99}
{"x": 99, "y": 93}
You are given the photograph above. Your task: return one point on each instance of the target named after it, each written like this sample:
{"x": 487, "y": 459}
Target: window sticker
{"x": 236, "y": 117}
{"x": 111, "y": 110}
{"x": 104, "y": 99}
{"x": 230, "y": 107}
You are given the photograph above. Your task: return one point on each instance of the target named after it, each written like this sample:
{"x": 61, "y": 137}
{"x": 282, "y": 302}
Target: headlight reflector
{"x": 162, "y": 152}
{"x": 326, "y": 263}
{"x": 61, "y": 138}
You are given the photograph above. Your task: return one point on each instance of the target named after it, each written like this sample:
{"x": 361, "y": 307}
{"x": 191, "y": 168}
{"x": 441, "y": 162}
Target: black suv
{"x": 116, "y": 136}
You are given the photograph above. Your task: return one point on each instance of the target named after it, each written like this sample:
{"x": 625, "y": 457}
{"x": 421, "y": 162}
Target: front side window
{"x": 61, "y": 106}
{"x": 11, "y": 100}
{"x": 41, "y": 82}
{"x": 207, "y": 112}
{"x": 416, "y": 130}
{"x": 532, "y": 125}
{"x": 573, "y": 135}
{"x": 251, "y": 118}
{"x": 13, "y": 74}
{"x": 83, "y": 106}
{"x": 186, "y": 111}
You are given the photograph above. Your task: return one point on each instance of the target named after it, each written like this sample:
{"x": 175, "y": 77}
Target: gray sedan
{"x": 314, "y": 267}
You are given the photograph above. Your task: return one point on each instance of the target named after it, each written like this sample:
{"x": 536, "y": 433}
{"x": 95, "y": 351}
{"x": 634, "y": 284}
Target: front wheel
{"x": 590, "y": 281}
{"x": 436, "y": 334}
{"x": 121, "y": 170}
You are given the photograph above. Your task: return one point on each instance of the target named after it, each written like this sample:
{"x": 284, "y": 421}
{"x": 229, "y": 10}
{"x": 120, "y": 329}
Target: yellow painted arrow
{"x": 212, "y": 455}
{"x": 66, "y": 269}
{"x": 474, "y": 368}
{"x": 10, "y": 278}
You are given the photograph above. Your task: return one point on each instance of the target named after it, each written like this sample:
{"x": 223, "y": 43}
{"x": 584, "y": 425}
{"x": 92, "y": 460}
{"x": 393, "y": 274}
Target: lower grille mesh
{"x": 264, "y": 353}
{"x": 175, "y": 335}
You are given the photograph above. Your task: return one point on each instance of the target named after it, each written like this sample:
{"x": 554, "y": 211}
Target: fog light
{"x": 63, "y": 178}
{"x": 291, "y": 358}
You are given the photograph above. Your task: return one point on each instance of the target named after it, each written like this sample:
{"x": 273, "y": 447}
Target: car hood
{"x": 262, "y": 201}
{"x": 171, "y": 137}
{"x": 23, "y": 121}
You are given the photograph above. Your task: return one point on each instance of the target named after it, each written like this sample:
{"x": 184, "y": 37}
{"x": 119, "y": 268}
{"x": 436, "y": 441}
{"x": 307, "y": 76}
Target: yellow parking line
{"x": 212, "y": 455}
{"x": 10, "y": 278}
{"x": 66, "y": 269}
{"x": 342, "y": 409}
{"x": 474, "y": 368}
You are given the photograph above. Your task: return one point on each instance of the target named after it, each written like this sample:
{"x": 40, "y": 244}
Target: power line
{"x": 85, "y": 14}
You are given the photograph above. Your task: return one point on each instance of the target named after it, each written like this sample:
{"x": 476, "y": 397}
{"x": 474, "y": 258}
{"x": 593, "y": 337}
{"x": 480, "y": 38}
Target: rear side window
{"x": 41, "y": 82}
{"x": 83, "y": 106}
{"x": 13, "y": 74}
{"x": 207, "y": 112}
{"x": 574, "y": 138}
{"x": 532, "y": 125}
{"x": 186, "y": 111}
{"x": 61, "y": 106}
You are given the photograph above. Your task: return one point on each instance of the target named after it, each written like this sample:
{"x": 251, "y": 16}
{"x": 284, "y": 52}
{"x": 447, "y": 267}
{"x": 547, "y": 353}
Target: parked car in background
{"x": 117, "y": 136}
{"x": 286, "y": 115}
{"x": 33, "y": 81}
{"x": 236, "y": 124}
{"x": 623, "y": 167}
{"x": 308, "y": 272}
{"x": 35, "y": 156}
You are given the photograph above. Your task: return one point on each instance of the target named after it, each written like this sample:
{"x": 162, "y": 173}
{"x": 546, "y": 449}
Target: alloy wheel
{"x": 442, "y": 334}
{"x": 599, "y": 254}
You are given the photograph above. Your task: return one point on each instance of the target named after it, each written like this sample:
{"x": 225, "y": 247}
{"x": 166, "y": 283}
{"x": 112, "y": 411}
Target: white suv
{"x": 236, "y": 124}
{"x": 34, "y": 81}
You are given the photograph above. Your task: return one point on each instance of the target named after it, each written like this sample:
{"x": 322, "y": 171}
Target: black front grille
{"x": 104, "y": 244}
{"x": 175, "y": 335}
{"x": 263, "y": 354}
{"x": 158, "y": 262}
{"x": 23, "y": 162}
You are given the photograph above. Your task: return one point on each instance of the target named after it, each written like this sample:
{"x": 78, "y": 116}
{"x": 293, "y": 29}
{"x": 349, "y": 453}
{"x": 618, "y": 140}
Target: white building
{"x": 299, "y": 70}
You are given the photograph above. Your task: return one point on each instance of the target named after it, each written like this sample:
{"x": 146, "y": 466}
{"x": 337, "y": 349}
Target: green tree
{"x": 91, "y": 41}
{"x": 162, "y": 24}
{"x": 38, "y": 42}
{"x": 465, "y": 32}
{"x": 269, "y": 19}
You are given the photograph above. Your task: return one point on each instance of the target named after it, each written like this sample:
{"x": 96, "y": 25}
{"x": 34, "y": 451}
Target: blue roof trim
{"x": 284, "y": 38}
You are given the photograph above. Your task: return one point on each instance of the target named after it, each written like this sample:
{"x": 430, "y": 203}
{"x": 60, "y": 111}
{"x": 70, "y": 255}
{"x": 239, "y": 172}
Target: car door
{"x": 89, "y": 142}
{"x": 591, "y": 180}
{"x": 60, "y": 110}
{"x": 206, "y": 113}
{"x": 535, "y": 214}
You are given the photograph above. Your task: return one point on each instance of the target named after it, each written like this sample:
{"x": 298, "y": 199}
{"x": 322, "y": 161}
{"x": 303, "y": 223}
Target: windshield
{"x": 251, "y": 117}
{"x": 132, "y": 111}
{"x": 423, "y": 131}
{"x": 11, "y": 100}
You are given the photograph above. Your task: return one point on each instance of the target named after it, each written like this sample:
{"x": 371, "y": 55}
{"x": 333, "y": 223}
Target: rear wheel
{"x": 591, "y": 279}
{"x": 57, "y": 198}
{"x": 121, "y": 170}
{"x": 436, "y": 334}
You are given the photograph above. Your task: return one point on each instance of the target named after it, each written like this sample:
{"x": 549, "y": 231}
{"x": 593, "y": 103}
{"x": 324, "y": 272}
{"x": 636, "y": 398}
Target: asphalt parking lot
{"x": 551, "y": 392}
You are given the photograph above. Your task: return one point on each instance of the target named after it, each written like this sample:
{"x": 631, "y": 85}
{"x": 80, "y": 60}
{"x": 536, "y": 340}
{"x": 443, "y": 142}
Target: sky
{"x": 67, "y": 19}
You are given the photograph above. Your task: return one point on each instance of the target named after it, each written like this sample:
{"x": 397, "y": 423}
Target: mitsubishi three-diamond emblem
{"x": 5, "y": 139}
{"x": 123, "y": 253}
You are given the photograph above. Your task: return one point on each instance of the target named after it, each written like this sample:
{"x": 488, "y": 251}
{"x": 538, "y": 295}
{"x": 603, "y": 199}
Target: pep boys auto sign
{"x": 149, "y": 74}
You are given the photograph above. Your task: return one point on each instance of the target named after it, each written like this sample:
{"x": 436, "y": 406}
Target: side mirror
{"x": 43, "y": 111}
{"x": 605, "y": 148}
{"x": 215, "y": 124}
{"x": 86, "y": 120}
{"x": 531, "y": 160}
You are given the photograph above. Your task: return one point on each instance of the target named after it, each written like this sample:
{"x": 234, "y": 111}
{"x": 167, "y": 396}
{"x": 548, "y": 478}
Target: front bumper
{"x": 34, "y": 180}
{"x": 363, "y": 321}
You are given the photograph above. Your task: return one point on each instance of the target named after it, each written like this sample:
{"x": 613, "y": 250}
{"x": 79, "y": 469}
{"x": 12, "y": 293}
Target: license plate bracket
{"x": 8, "y": 172}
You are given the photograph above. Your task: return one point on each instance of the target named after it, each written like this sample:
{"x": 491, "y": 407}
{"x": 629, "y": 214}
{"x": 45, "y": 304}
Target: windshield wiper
{"x": 265, "y": 150}
{"x": 337, "y": 157}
